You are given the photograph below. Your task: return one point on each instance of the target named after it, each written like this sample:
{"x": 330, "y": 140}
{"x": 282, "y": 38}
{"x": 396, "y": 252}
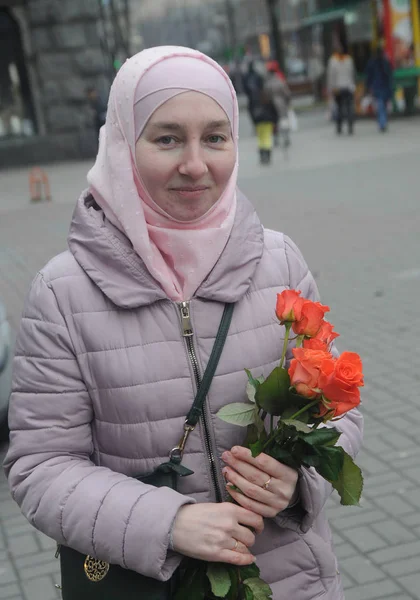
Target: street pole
{"x": 230, "y": 13}
{"x": 276, "y": 32}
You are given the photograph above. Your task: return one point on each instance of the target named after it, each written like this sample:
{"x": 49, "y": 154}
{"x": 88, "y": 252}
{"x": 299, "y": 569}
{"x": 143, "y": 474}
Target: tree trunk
{"x": 276, "y": 33}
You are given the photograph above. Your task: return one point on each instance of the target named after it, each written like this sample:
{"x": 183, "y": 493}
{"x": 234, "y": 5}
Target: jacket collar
{"x": 108, "y": 258}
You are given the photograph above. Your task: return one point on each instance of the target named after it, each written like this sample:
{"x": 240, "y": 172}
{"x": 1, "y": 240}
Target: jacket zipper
{"x": 188, "y": 334}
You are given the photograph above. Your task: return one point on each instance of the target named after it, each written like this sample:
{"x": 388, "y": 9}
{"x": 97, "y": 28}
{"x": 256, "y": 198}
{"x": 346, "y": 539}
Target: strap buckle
{"x": 177, "y": 452}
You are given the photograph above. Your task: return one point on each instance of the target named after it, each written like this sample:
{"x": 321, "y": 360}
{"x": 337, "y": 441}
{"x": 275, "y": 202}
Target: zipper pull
{"x": 187, "y": 330}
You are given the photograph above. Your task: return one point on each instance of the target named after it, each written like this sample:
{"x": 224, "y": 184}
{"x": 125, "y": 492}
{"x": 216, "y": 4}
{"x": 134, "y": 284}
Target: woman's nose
{"x": 193, "y": 163}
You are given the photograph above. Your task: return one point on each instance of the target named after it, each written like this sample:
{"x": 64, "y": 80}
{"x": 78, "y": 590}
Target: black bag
{"x": 86, "y": 578}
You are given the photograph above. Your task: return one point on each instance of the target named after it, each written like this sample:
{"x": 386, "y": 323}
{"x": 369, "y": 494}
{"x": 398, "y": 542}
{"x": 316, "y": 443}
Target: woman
{"x": 341, "y": 85}
{"x": 276, "y": 86}
{"x": 379, "y": 83}
{"x": 104, "y": 377}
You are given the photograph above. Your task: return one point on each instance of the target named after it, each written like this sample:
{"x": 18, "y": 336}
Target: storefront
{"x": 397, "y": 23}
{"x": 362, "y": 23}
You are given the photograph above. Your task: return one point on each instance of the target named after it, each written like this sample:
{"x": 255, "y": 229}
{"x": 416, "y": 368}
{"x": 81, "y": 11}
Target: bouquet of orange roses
{"x": 289, "y": 416}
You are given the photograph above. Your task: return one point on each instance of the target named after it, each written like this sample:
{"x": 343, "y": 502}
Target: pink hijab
{"x": 179, "y": 255}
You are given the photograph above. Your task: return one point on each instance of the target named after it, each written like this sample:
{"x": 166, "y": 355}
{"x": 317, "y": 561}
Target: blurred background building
{"x": 51, "y": 51}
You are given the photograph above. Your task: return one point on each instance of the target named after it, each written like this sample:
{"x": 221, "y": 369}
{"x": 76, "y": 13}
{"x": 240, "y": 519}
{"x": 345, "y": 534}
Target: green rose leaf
{"x": 238, "y": 413}
{"x": 298, "y": 425}
{"x": 248, "y": 594}
{"x": 297, "y": 401}
{"x": 192, "y": 586}
{"x": 218, "y": 575}
{"x": 250, "y": 392}
{"x": 284, "y": 456}
{"x": 349, "y": 484}
{"x": 252, "y": 385}
{"x": 252, "y": 435}
{"x": 273, "y": 394}
{"x": 249, "y": 571}
{"x": 256, "y": 448}
{"x": 326, "y": 436}
{"x": 259, "y": 588}
{"x": 331, "y": 462}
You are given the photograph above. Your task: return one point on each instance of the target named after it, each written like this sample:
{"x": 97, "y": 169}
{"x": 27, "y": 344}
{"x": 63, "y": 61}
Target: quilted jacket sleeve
{"x": 60, "y": 491}
{"x": 314, "y": 490}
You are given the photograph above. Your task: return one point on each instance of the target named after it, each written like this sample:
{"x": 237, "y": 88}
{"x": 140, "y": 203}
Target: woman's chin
{"x": 189, "y": 207}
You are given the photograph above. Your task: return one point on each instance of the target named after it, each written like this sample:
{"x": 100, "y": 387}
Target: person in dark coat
{"x": 379, "y": 83}
{"x": 252, "y": 84}
{"x": 98, "y": 104}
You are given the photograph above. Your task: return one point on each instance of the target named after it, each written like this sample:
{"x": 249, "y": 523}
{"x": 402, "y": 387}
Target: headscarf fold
{"x": 178, "y": 254}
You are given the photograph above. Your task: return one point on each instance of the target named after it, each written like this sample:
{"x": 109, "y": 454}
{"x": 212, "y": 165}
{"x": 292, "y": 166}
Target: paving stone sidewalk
{"x": 352, "y": 205}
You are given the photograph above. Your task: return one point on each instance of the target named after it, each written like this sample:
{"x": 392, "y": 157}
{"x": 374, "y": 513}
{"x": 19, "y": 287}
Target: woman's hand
{"x": 216, "y": 532}
{"x": 268, "y": 486}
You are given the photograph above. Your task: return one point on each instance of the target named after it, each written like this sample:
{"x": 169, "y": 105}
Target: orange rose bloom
{"x": 326, "y": 333}
{"x": 311, "y": 320}
{"x": 305, "y": 370}
{"x": 340, "y": 384}
{"x": 315, "y": 344}
{"x": 289, "y": 305}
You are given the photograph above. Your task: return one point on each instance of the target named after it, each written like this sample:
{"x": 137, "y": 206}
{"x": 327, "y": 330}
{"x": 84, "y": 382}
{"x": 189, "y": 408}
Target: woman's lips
{"x": 190, "y": 192}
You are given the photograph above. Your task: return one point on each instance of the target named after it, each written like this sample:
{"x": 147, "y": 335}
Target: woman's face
{"x": 186, "y": 154}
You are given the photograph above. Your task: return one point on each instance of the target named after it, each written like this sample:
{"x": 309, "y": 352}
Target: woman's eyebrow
{"x": 167, "y": 126}
{"x": 217, "y": 124}
{"x": 170, "y": 126}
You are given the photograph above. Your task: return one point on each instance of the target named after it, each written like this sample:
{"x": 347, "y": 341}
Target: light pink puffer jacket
{"x": 103, "y": 382}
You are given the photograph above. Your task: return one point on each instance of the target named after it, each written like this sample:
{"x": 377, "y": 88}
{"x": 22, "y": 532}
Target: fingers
{"x": 251, "y": 489}
{"x": 244, "y": 536}
{"x": 249, "y": 519}
{"x": 250, "y": 472}
{"x": 239, "y": 547}
{"x": 266, "y": 502}
{"x": 268, "y": 465}
{"x": 236, "y": 558}
{"x": 264, "y": 510}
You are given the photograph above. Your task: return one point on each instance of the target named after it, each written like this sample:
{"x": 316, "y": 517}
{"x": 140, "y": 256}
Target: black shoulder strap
{"x": 197, "y": 407}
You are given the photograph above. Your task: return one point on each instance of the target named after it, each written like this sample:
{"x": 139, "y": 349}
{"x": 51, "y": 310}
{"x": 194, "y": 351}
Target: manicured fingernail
{"x": 235, "y": 450}
{"x": 226, "y": 456}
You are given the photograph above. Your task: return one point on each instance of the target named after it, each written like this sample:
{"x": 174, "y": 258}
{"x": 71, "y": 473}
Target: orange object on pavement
{"x": 39, "y": 183}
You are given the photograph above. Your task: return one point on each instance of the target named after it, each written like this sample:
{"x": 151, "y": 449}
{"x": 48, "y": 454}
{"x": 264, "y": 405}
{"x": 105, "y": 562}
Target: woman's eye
{"x": 216, "y": 139}
{"x": 166, "y": 140}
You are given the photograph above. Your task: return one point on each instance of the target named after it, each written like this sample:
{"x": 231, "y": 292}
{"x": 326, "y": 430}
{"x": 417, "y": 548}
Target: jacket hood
{"x": 108, "y": 258}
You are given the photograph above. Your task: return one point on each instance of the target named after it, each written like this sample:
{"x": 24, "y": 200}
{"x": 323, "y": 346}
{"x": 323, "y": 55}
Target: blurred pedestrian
{"x": 98, "y": 104}
{"x": 341, "y": 83}
{"x": 109, "y": 356}
{"x": 379, "y": 83}
{"x": 252, "y": 83}
{"x": 273, "y": 66}
{"x": 279, "y": 91}
{"x": 265, "y": 118}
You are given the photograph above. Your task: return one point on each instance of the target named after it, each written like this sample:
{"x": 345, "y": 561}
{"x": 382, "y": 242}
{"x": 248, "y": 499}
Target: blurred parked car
{"x": 5, "y": 371}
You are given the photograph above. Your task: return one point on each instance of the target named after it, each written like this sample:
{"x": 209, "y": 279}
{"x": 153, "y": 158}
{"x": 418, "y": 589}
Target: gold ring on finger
{"x": 267, "y": 483}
